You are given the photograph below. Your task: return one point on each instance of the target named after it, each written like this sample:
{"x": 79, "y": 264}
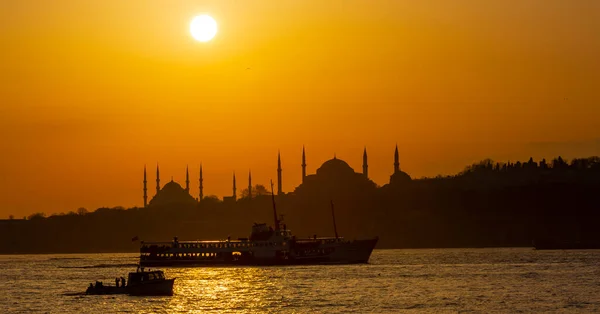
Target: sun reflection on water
{"x": 241, "y": 290}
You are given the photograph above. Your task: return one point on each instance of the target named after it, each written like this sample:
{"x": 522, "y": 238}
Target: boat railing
{"x": 210, "y": 245}
{"x": 161, "y": 246}
{"x": 320, "y": 240}
{"x": 155, "y": 243}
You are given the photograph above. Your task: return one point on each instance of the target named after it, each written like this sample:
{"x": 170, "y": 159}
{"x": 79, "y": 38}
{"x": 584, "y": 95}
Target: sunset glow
{"x": 93, "y": 92}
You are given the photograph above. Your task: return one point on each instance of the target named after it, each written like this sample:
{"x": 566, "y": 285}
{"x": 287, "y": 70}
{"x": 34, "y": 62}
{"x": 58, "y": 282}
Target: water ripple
{"x": 419, "y": 281}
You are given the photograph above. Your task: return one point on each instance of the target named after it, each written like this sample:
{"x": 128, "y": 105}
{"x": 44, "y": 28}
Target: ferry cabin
{"x": 275, "y": 249}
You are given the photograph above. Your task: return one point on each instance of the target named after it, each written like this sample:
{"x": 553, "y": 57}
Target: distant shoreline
{"x": 385, "y": 248}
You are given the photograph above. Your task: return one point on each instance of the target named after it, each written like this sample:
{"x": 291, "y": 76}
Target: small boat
{"x": 140, "y": 282}
{"x": 149, "y": 283}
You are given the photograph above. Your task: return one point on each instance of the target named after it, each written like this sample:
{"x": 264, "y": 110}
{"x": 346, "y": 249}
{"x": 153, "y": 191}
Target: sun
{"x": 203, "y": 28}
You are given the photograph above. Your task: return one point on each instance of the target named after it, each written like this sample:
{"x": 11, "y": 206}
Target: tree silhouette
{"x": 36, "y": 216}
{"x": 257, "y": 190}
{"x": 559, "y": 163}
{"x": 210, "y": 200}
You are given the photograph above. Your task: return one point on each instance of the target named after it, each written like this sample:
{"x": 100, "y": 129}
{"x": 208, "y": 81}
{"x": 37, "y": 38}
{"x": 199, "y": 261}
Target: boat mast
{"x": 274, "y": 208}
{"x": 334, "y": 226}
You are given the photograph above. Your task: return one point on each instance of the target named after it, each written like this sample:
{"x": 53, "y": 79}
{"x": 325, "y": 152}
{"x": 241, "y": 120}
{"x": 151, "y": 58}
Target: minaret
{"x": 303, "y": 164}
{"x": 365, "y": 165}
{"x": 145, "y": 189}
{"x": 201, "y": 195}
{"x": 396, "y": 161}
{"x": 157, "y": 180}
{"x": 234, "y": 193}
{"x": 279, "y": 184}
{"x": 249, "y": 184}
{"x": 187, "y": 179}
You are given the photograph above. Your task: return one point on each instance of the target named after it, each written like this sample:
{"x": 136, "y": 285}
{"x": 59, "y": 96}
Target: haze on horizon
{"x": 93, "y": 91}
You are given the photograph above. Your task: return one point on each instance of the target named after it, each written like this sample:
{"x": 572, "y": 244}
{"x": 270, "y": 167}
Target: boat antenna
{"x": 333, "y": 215}
{"x": 274, "y": 208}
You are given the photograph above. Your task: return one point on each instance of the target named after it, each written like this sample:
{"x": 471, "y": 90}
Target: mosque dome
{"x": 399, "y": 177}
{"x": 172, "y": 193}
{"x": 172, "y": 186}
{"x": 335, "y": 167}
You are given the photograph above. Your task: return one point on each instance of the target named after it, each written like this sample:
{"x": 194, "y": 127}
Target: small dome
{"x": 400, "y": 177}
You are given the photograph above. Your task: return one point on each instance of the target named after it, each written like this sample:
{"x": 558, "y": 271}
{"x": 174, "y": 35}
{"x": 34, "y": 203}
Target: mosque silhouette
{"x": 331, "y": 173}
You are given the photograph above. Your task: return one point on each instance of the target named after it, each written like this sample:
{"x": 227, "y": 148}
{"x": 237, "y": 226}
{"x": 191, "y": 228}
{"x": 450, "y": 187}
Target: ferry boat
{"x": 265, "y": 246}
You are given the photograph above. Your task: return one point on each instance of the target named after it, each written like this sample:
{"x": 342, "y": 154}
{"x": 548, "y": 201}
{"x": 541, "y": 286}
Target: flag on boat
{"x": 135, "y": 238}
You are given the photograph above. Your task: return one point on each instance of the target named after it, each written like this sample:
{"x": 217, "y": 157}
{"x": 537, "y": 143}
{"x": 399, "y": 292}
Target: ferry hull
{"x": 346, "y": 252}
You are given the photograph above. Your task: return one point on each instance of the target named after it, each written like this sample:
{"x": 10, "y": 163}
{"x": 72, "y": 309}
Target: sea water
{"x": 495, "y": 280}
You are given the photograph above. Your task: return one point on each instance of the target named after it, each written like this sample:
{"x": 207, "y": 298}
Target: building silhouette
{"x": 250, "y": 184}
{"x": 333, "y": 176}
{"x": 399, "y": 177}
{"x": 279, "y": 170}
{"x": 365, "y": 165}
{"x": 145, "y": 189}
{"x": 303, "y": 164}
{"x": 200, "y": 186}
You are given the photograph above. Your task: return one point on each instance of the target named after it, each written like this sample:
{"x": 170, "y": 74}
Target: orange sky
{"x": 91, "y": 91}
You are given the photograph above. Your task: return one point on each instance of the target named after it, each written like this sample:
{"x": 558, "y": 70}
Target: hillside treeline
{"x": 487, "y": 204}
